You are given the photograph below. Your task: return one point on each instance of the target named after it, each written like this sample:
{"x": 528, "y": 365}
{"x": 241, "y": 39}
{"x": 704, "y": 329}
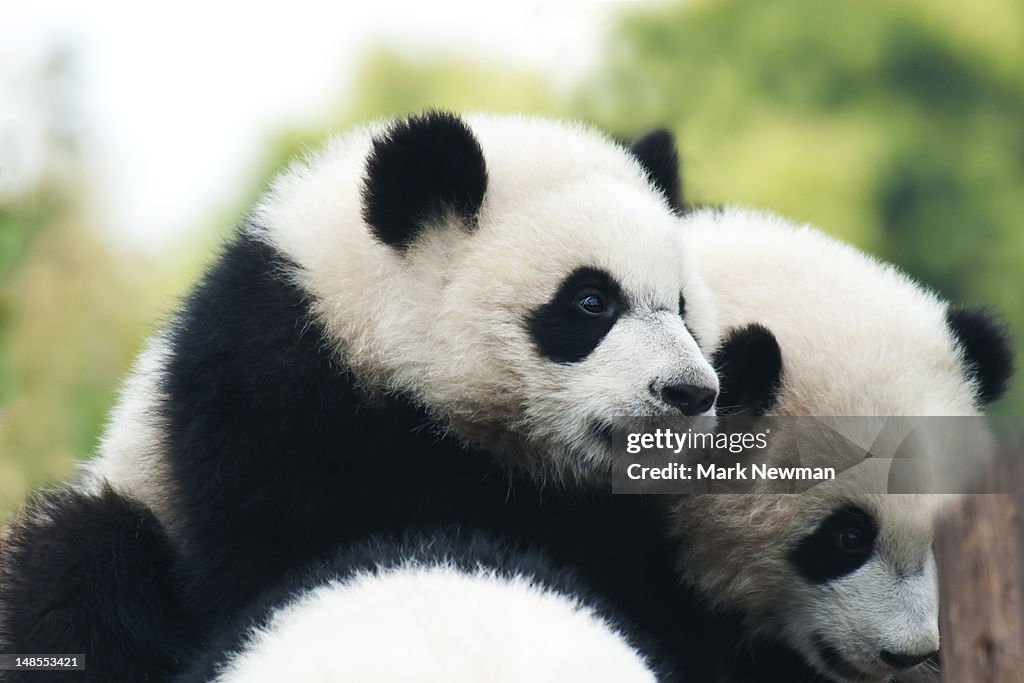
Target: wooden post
{"x": 979, "y": 548}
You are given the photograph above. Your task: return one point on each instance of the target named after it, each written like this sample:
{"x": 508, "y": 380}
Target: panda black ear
{"x": 986, "y": 347}
{"x": 418, "y": 169}
{"x": 656, "y": 152}
{"x": 749, "y": 366}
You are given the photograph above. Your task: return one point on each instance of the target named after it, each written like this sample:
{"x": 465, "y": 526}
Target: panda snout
{"x": 688, "y": 399}
{"x": 904, "y": 660}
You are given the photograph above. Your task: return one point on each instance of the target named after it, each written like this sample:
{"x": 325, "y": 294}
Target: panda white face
{"x": 586, "y": 330}
{"x": 848, "y": 581}
{"x": 523, "y": 280}
{"x": 865, "y": 606}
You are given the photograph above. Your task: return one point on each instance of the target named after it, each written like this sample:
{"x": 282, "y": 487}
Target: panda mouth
{"x": 836, "y": 663}
{"x": 604, "y": 431}
{"x": 614, "y": 434}
{"x": 611, "y": 433}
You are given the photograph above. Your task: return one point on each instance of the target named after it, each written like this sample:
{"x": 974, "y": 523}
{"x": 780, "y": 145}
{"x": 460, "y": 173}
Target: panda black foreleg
{"x": 90, "y": 573}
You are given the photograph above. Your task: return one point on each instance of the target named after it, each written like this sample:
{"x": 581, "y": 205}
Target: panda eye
{"x": 851, "y": 540}
{"x": 592, "y": 302}
{"x": 839, "y": 545}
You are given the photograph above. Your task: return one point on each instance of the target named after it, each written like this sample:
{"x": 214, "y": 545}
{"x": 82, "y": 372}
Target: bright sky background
{"x": 176, "y": 100}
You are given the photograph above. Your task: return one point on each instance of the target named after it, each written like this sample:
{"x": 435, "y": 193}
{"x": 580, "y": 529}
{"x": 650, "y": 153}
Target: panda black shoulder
{"x": 250, "y": 386}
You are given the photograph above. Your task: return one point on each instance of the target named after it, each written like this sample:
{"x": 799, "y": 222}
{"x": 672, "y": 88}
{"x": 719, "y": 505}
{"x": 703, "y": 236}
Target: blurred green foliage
{"x": 896, "y": 125}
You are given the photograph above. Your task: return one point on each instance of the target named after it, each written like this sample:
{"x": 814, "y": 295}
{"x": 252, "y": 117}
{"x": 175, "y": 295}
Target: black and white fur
{"x": 442, "y": 607}
{"x": 437, "y": 320}
{"x": 845, "y": 336}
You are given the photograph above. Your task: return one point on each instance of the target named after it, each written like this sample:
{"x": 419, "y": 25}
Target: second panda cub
{"x": 837, "y": 583}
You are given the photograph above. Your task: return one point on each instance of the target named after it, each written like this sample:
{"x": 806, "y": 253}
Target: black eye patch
{"x": 682, "y": 306}
{"x": 581, "y": 313}
{"x": 840, "y": 545}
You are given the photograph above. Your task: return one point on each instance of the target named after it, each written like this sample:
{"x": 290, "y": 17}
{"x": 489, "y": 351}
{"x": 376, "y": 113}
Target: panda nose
{"x": 903, "y": 660}
{"x": 688, "y": 399}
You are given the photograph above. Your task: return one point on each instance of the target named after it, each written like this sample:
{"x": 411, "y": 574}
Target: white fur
{"x": 131, "y": 448}
{"x": 858, "y": 338}
{"x": 435, "y": 624}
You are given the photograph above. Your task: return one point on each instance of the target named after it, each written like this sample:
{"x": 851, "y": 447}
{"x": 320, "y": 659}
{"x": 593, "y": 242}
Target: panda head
{"x": 846, "y": 580}
{"x": 843, "y": 576}
{"x": 523, "y": 280}
{"x": 865, "y": 565}
{"x": 860, "y": 336}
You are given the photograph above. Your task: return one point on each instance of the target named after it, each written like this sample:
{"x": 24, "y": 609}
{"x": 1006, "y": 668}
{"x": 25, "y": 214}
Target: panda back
{"x": 446, "y": 607}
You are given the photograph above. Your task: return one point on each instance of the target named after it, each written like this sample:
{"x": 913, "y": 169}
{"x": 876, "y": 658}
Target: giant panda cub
{"x": 846, "y": 580}
{"x": 436, "y": 320}
{"x": 444, "y": 607}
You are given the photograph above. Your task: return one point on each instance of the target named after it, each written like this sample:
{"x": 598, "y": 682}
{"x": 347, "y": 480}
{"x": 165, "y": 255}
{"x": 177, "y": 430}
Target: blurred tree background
{"x": 897, "y": 125}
